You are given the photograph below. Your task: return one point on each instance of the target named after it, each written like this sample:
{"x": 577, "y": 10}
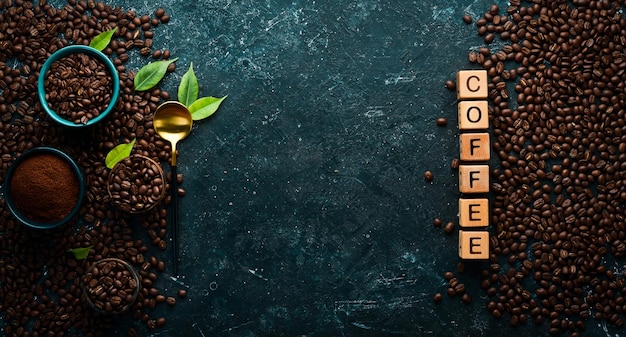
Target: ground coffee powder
{"x": 45, "y": 188}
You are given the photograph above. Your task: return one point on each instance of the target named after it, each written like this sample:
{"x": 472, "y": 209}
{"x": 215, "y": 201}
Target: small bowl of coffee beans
{"x": 44, "y": 188}
{"x": 111, "y": 286}
{"x": 78, "y": 86}
{"x": 136, "y": 184}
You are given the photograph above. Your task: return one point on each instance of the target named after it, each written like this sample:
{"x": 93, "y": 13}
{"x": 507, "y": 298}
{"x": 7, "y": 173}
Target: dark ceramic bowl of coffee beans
{"x": 44, "y": 188}
{"x": 78, "y": 86}
{"x": 136, "y": 184}
{"x": 111, "y": 286}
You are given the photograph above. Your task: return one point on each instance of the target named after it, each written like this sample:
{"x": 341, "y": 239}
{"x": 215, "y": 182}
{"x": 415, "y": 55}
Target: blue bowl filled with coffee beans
{"x": 44, "y": 188}
{"x": 78, "y": 86}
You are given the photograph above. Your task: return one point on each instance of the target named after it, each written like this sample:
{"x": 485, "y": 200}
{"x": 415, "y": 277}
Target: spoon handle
{"x": 174, "y": 208}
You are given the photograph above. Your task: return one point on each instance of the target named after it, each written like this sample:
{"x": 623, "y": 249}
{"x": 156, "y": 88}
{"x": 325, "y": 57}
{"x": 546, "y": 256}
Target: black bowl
{"x": 19, "y": 214}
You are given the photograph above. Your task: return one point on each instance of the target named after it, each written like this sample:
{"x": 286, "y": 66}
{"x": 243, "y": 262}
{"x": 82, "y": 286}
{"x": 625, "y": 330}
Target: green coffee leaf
{"x": 151, "y": 74}
{"x": 188, "y": 88}
{"x": 118, "y": 153}
{"x": 102, "y": 40}
{"x": 205, "y": 107}
{"x": 80, "y": 253}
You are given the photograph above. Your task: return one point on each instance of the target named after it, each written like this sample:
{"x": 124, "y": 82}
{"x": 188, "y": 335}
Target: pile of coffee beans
{"x": 557, "y": 106}
{"x": 78, "y": 87}
{"x": 136, "y": 184}
{"x": 111, "y": 286}
{"x": 41, "y": 281}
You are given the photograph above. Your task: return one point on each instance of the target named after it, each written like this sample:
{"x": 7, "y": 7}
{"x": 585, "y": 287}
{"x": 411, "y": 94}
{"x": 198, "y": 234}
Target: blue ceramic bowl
{"x": 77, "y": 49}
{"x": 11, "y": 204}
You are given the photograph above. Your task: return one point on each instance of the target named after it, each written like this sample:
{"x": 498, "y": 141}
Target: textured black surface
{"x": 306, "y": 210}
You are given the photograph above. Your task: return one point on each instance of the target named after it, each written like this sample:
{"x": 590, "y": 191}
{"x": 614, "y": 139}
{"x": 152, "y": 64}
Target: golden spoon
{"x": 172, "y": 121}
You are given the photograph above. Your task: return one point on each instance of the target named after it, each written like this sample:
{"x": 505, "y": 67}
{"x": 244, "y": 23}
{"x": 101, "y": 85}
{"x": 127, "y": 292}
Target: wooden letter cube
{"x": 473, "y": 115}
{"x": 473, "y": 245}
{"x": 474, "y": 178}
{"x": 473, "y": 212}
{"x": 471, "y": 84}
{"x": 475, "y": 146}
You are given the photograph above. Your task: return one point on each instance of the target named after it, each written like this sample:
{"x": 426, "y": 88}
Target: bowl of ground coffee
{"x": 43, "y": 188}
{"x": 78, "y": 86}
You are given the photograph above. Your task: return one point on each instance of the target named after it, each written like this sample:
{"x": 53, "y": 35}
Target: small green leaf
{"x": 118, "y": 153}
{"x": 188, "y": 88}
{"x": 150, "y": 74}
{"x": 205, "y": 107}
{"x": 102, "y": 40}
{"x": 80, "y": 253}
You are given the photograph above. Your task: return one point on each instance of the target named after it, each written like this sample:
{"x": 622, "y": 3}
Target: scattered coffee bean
{"x": 467, "y": 19}
{"x": 160, "y": 322}
{"x": 437, "y": 298}
{"x": 450, "y": 85}
{"x": 449, "y": 228}
{"x": 466, "y": 298}
{"x": 428, "y": 176}
{"x": 159, "y": 12}
{"x": 460, "y": 267}
{"x": 161, "y": 266}
{"x": 455, "y": 163}
{"x": 442, "y": 121}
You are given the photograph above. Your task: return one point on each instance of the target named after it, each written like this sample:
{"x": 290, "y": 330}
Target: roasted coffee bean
{"x": 449, "y": 228}
{"x": 460, "y": 267}
{"x": 455, "y": 163}
{"x": 466, "y": 298}
{"x": 428, "y": 176}
{"x": 160, "y": 322}
{"x": 442, "y": 121}
{"x": 161, "y": 266}
{"x": 159, "y": 12}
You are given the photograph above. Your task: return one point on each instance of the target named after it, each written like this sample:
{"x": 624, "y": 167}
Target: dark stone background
{"x": 306, "y": 210}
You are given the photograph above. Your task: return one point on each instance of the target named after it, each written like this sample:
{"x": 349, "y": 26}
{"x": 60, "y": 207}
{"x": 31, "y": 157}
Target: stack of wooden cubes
{"x": 474, "y": 168}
